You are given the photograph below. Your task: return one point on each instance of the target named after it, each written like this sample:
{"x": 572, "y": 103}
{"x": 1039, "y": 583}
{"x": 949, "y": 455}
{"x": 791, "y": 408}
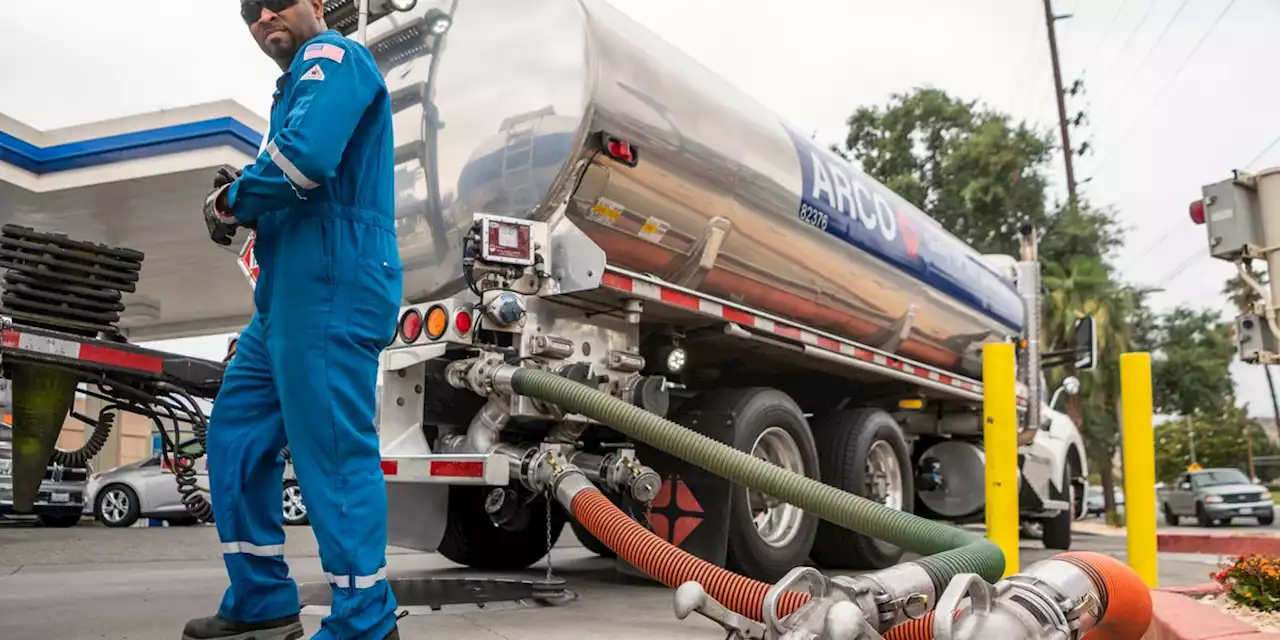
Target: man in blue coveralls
{"x": 320, "y": 199}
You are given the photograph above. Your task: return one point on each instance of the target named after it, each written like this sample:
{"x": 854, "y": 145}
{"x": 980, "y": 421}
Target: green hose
{"x": 948, "y": 550}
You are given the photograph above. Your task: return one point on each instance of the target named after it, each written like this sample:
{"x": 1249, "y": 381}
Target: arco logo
{"x": 674, "y": 520}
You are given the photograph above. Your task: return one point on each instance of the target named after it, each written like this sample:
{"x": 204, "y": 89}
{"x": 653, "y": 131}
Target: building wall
{"x": 134, "y": 433}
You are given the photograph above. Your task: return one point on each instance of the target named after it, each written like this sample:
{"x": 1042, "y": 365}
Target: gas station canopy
{"x": 139, "y": 182}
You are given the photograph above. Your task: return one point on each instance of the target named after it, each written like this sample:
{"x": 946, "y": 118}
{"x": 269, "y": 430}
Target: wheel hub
{"x": 777, "y": 523}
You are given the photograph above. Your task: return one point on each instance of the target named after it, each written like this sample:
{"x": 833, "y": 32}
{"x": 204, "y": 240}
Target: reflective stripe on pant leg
{"x": 289, "y": 169}
{"x": 361, "y": 582}
{"x": 262, "y": 551}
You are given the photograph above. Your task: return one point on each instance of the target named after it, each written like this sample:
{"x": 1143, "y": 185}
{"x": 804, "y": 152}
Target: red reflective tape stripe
{"x": 457, "y": 469}
{"x": 679, "y": 299}
{"x": 12, "y": 338}
{"x": 828, "y": 343}
{"x": 784, "y": 330}
{"x": 615, "y": 281}
{"x": 738, "y": 316}
{"x": 119, "y": 358}
{"x": 390, "y": 467}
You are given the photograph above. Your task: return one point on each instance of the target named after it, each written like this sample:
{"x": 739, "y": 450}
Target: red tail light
{"x": 462, "y": 323}
{"x": 1197, "y": 211}
{"x": 620, "y": 150}
{"x": 411, "y": 326}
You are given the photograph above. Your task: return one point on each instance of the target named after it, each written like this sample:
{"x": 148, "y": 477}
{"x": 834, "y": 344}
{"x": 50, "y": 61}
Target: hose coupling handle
{"x": 833, "y": 611}
{"x": 691, "y": 598}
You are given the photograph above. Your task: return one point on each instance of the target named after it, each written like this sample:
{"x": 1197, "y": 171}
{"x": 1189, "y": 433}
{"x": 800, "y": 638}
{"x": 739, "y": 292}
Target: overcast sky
{"x": 1160, "y": 121}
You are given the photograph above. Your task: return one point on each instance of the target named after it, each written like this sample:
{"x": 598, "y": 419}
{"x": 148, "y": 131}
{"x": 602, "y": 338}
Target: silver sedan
{"x": 121, "y": 496}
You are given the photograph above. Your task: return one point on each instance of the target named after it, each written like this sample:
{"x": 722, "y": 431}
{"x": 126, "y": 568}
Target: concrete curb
{"x": 1178, "y": 617}
{"x": 1218, "y": 544}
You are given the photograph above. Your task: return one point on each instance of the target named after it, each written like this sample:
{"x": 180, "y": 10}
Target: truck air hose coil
{"x": 948, "y": 551}
{"x": 669, "y": 564}
{"x": 101, "y": 431}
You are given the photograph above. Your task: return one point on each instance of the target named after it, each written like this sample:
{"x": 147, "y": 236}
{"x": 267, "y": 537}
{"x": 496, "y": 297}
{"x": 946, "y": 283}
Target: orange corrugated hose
{"x": 1126, "y": 612}
{"x": 921, "y": 629}
{"x": 671, "y": 565}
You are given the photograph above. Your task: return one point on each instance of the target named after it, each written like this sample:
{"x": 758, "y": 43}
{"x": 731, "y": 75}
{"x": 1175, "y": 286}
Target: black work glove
{"x": 222, "y": 228}
{"x": 226, "y": 175}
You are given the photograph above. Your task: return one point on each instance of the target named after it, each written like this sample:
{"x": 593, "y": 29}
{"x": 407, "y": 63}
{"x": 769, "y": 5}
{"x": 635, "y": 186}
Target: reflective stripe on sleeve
{"x": 263, "y": 551}
{"x": 362, "y": 582}
{"x": 287, "y": 166}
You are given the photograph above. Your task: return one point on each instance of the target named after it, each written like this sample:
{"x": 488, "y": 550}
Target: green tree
{"x": 1220, "y": 441}
{"x": 1192, "y": 351}
{"x": 968, "y": 167}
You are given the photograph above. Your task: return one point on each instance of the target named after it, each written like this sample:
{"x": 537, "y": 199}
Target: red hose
{"x": 671, "y": 565}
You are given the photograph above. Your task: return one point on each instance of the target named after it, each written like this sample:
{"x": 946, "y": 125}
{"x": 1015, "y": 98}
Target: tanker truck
{"x": 577, "y": 196}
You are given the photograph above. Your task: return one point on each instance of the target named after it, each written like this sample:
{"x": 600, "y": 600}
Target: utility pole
{"x": 1067, "y": 151}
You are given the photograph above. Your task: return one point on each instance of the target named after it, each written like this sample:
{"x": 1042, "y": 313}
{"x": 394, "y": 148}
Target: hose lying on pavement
{"x": 948, "y": 551}
{"x": 669, "y": 564}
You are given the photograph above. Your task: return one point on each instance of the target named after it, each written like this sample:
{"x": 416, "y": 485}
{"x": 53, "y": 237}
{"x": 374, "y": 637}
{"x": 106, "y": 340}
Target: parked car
{"x": 1096, "y": 506}
{"x": 62, "y": 492}
{"x": 1214, "y": 496}
{"x": 147, "y": 489}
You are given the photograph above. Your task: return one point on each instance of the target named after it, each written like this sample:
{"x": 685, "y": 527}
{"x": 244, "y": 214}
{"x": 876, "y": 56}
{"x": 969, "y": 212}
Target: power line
{"x": 1098, "y": 47}
{"x": 1147, "y": 58}
{"x": 1183, "y": 266}
{"x": 1263, "y": 152}
{"x": 1128, "y": 41}
{"x": 1168, "y": 83}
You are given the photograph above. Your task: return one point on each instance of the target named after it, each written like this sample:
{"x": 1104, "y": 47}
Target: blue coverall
{"x": 327, "y": 299}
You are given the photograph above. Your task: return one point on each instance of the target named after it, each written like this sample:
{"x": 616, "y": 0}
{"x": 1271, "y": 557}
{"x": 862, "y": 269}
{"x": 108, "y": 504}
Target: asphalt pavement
{"x": 90, "y": 582}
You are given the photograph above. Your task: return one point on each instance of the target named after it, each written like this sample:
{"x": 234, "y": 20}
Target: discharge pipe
{"x": 949, "y": 551}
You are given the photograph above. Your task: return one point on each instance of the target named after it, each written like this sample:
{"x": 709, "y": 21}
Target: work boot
{"x": 216, "y": 628}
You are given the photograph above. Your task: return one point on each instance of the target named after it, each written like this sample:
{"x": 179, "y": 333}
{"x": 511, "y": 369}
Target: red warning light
{"x": 1197, "y": 211}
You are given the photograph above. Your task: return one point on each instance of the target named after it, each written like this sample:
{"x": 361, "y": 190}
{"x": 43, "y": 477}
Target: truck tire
{"x": 857, "y": 446}
{"x": 1057, "y": 530}
{"x": 472, "y": 539}
{"x": 767, "y": 423}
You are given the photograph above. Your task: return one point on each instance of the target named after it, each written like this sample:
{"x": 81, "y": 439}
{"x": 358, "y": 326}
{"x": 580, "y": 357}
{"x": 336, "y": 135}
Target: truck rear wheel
{"x": 865, "y": 453}
{"x": 1057, "y": 530}
{"x": 767, "y": 537}
{"x": 472, "y": 539}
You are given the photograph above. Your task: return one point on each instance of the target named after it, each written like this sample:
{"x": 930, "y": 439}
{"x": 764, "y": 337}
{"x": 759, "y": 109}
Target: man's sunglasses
{"x": 251, "y": 10}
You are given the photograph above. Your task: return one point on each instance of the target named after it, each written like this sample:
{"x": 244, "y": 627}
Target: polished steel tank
{"x": 503, "y": 114}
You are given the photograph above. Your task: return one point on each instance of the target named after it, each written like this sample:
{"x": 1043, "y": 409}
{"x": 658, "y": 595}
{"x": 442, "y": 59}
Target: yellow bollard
{"x": 1000, "y": 439}
{"x": 1139, "y": 464}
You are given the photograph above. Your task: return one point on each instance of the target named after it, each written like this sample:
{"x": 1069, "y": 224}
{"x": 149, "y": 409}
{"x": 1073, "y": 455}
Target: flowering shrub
{"x": 1252, "y": 580}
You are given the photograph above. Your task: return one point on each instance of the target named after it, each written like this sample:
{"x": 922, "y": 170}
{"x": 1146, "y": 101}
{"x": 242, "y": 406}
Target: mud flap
{"x": 691, "y": 510}
{"x": 417, "y": 515}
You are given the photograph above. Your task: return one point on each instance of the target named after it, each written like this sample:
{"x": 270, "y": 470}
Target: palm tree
{"x": 1243, "y": 296}
{"x": 1084, "y": 287}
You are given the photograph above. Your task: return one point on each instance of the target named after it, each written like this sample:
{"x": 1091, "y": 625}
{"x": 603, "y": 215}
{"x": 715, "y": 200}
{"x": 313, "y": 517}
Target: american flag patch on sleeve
{"x": 324, "y": 50}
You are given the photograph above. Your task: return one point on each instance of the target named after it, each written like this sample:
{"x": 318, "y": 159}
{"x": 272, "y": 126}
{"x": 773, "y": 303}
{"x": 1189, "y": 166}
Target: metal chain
{"x": 550, "y": 504}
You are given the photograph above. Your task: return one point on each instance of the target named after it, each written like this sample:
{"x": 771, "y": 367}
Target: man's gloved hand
{"x": 222, "y": 226}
